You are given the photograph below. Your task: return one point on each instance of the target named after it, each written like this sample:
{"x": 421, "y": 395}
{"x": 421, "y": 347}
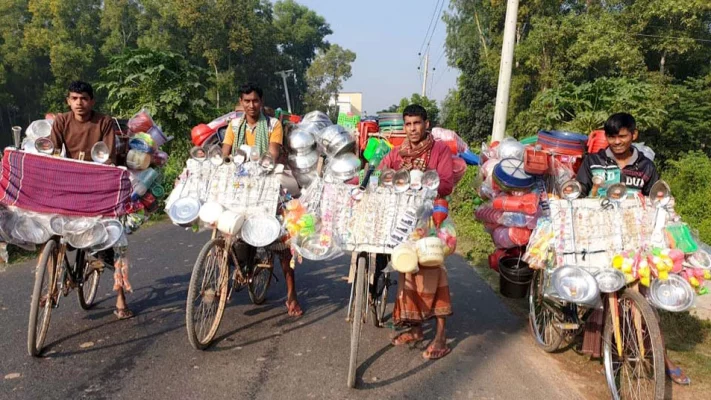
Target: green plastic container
{"x": 529, "y": 140}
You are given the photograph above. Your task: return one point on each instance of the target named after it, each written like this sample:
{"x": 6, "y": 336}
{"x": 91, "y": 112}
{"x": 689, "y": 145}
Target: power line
{"x": 673, "y": 37}
{"x": 434, "y": 12}
{"x": 439, "y": 16}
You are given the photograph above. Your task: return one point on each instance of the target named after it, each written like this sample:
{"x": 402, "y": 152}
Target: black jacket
{"x": 639, "y": 175}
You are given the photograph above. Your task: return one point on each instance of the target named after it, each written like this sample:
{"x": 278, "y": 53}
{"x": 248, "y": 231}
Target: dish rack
{"x": 226, "y": 185}
{"x": 372, "y": 224}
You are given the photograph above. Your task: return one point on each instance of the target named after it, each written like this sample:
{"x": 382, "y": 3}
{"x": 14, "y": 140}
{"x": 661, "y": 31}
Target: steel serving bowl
{"x": 114, "y": 231}
{"x": 575, "y": 285}
{"x": 301, "y": 141}
{"x": 184, "y": 211}
{"x": 91, "y": 237}
{"x": 261, "y": 230}
{"x": 303, "y": 163}
{"x": 610, "y": 280}
{"x": 674, "y": 294}
{"x": 344, "y": 167}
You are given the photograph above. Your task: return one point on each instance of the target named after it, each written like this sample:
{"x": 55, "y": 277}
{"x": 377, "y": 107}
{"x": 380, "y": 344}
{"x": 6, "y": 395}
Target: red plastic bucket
{"x": 597, "y": 141}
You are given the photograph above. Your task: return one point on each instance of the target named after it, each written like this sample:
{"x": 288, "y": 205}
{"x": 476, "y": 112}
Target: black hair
{"x": 620, "y": 121}
{"x": 248, "y": 88}
{"x": 415, "y": 110}
{"x": 81, "y": 87}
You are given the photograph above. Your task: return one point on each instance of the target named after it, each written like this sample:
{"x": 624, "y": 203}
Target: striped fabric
{"x": 61, "y": 186}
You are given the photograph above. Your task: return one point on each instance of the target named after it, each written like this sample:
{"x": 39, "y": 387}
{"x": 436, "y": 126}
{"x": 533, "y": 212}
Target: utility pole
{"x": 504, "y": 87}
{"x": 284, "y": 74}
{"x": 427, "y": 66}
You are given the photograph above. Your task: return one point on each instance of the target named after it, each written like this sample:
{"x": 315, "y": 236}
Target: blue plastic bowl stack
{"x": 511, "y": 177}
{"x": 569, "y": 143}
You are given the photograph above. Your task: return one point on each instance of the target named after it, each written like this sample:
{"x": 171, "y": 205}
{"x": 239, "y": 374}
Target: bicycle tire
{"x": 35, "y": 338}
{"x": 215, "y": 295}
{"x": 258, "y": 297}
{"x": 541, "y": 320}
{"x": 357, "y": 320}
{"x": 380, "y": 303}
{"x": 90, "y": 280}
{"x": 653, "y": 341}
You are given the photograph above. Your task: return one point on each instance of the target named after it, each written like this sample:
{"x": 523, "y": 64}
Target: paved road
{"x": 262, "y": 353}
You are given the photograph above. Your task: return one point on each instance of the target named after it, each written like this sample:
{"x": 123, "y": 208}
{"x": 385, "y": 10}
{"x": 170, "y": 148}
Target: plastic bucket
{"x": 514, "y": 277}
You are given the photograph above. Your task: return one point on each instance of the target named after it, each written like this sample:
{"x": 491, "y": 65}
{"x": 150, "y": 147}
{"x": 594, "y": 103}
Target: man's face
{"x": 80, "y": 103}
{"x": 415, "y": 128}
{"x": 251, "y": 103}
{"x": 621, "y": 143}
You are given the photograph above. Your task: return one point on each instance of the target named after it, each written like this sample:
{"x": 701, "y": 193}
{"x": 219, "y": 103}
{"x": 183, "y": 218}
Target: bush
{"x": 690, "y": 180}
{"x": 473, "y": 241}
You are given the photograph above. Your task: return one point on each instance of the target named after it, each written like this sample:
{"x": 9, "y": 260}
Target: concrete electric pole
{"x": 425, "y": 72}
{"x": 503, "y": 89}
{"x": 284, "y": 74}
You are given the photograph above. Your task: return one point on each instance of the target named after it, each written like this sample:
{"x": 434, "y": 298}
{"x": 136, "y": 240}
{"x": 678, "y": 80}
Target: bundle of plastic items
{"x": 461, "y": 156}
{"x": 433, "y": 239}
{"x": 511, "y": 211}
{"x": 141, "y": 149}
{"x": 306, "y": 235}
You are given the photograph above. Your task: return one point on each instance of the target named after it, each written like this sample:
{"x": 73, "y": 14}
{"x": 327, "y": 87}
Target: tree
{"x": 424, "y": 101}
{"x": 325, "y": 78}
{"x": 393, "y": 108}
{"x": 163, "y": 82}
{"x": 300, "y": 33}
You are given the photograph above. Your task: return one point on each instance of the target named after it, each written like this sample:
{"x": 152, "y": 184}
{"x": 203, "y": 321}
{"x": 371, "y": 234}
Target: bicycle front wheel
{"x": 207, "y": 294}
{"x": 44, "y": 297}
{"x": 637, "y": 373}
{"x": 357, "y": 321}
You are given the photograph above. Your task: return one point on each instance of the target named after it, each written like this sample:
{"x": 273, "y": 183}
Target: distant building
{"x": 349, "y": 103}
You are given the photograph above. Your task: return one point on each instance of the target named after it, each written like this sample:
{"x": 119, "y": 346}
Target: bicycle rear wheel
{"x": 44, "y": 297}
{"x": 90, "y": 282}
{"x": 637, "y": 373}
{"x": 542, "y": 317}
{"x": 207, "y": 294}
{"x": 361, "y": 288}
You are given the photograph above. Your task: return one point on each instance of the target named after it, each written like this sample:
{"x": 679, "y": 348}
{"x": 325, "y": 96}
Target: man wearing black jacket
{"x": 621, "y": 162}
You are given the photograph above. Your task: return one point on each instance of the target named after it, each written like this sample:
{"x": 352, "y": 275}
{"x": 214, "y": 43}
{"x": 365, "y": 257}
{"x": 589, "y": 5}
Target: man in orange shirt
{"x": 265, "y": 134}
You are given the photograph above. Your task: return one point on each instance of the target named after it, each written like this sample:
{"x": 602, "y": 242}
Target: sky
{"x": 386, "y": 36}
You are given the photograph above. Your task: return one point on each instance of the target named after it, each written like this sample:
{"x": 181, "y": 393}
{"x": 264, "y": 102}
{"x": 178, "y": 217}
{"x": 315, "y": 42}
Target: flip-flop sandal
{"x": 435, "y": 354}
{"x": 406, "y": 338}
{"x": 123, "y": 313}
{"x": 676, "y": 376}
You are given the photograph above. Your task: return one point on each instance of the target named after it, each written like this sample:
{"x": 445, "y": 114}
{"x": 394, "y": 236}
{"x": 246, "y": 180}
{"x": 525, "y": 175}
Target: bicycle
{"x": 632, "y": 347}
{"x": 54, "y": 275}
{"x": 218, "y": 272}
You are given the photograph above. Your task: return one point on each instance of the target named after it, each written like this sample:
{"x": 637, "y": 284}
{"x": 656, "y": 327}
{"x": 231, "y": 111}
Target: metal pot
{"x": 303, "y": 163}
{"x": 344, "y": 167}
{"x": 301, "y": 141}
{"x": 342, "y": 143}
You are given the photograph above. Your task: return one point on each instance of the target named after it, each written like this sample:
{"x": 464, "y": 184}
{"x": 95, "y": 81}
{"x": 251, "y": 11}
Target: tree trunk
{"x": 662, "y": 62}
{"x": 481, "y": 34}
{"x": 217, "y": 86}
